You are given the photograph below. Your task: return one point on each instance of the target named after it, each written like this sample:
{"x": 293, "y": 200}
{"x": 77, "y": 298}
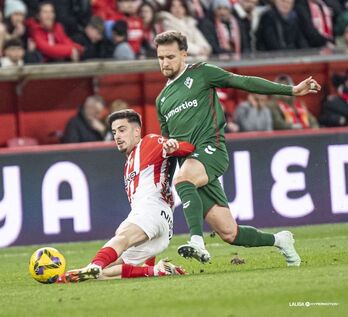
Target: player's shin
{"x": 193, "y": 207}
{"x": 251, "y": 237}
{"x": 105, "y": 256}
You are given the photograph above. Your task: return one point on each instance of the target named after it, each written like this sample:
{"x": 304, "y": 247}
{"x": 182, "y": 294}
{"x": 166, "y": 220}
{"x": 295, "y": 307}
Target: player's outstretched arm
{"x": 307, "y": 86}
{"x": 173, "y": 147}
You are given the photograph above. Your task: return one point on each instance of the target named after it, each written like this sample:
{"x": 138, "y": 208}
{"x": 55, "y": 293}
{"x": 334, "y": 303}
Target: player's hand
{"x": 171, "y": 146}
{"x": 307, "y": 86}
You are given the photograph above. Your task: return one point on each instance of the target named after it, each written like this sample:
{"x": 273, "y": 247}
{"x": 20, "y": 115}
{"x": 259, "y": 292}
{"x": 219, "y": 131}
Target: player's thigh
{"x": 129, "y": 234}
{"x": 214, "y": 162}
{"x": 222, "y": 222}
{"x": 192, "y": 171}
{"x": 151, "y": 248}
{"x": 212, "y": 194}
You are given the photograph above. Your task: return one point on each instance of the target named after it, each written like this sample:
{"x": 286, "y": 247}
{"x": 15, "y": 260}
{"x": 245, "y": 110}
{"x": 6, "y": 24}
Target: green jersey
{"x": 188, "y": 107}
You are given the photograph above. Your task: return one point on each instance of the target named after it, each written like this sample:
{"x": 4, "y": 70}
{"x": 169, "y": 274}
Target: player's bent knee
{"x": 227, "y": 235}
{"x": 182, "y": 178}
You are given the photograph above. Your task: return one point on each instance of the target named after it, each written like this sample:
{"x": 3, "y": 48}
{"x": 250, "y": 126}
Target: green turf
{"x": 263, "y": 286}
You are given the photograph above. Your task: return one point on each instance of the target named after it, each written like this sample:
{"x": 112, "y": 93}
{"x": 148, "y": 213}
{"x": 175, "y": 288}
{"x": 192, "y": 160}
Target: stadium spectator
{"x": 49, "y": 36}
{"x": 289, "y": 112}
{"x": 341, "y": 29}
{"x": 223, "y": 33}
{"x": 32, "y": 6}
{"x": 116, "y": 105}
{"x": 129, "y": 12}
{"x": 334, "y": 112}
{"x": 254, "y": 114}
{"x": 123, "y": 50}
{"x": 176, "y": 18}
{"x": 316, "y": 22}
{"x": 15, "y": 14}
{"x": 245, "y": 13}
{"x": 73, "y": 14}
{"x": 93, "y": 41}
{"x": 86, "y": 126}
{"x": 147, "y": 12}
{"x": 106, "y": 9}
{"x": 280, "y": 29}
{"x": 2, "y": 33}
{"x": 13, "y": 53}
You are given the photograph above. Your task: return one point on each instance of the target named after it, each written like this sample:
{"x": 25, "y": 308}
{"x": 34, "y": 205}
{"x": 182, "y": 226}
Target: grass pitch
{"x": 263, "y": 286}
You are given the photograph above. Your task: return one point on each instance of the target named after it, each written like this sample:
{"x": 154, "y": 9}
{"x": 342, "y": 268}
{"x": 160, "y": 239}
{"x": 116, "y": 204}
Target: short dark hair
{"x": 13, "y": 42}
{"x": 44, "y": 3}
{"x": 120, "y": 28}
{"x": 170, "y": 37}
{"x": 129, "y": 114}
{"x": 182, "y": 2}
{"x": 97, "y": 23}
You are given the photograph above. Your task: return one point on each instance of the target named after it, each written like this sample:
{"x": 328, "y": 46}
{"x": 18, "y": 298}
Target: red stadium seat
{"x": 16, "y": 142}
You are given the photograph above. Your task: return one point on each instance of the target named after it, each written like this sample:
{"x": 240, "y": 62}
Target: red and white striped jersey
{"x": 146, "y": 172}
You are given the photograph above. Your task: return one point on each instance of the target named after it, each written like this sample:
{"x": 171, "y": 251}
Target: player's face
{"x": 126, "y": 135}
{"x": 171, "y": 59}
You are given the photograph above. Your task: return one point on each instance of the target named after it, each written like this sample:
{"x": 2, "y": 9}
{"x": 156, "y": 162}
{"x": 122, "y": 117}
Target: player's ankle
{"x": 198, "y": 240}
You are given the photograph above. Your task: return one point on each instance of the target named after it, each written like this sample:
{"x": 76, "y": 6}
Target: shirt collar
{"x": 177, "y": 77}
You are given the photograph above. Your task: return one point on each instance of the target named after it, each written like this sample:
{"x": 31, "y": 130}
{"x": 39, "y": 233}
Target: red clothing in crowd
{"x": 54, "y": 44}
{"x": 106, "y": 9}
{"x": 136, "y": 32}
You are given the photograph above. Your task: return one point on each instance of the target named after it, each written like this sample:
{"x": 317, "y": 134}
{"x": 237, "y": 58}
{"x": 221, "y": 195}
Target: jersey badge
{"x": 188, "y": 82}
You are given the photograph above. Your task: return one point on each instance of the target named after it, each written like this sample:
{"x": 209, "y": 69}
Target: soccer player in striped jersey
{"x": 147, "y": 230}
{"x": 188, "y": 109}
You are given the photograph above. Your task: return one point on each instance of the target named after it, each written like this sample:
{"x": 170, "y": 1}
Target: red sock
{"x": 105, "y": 256}
{"x": 132, "y": 271}
{"x": 151, "y": 261}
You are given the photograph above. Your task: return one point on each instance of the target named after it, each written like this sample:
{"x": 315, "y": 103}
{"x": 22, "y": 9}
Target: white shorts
{"x": 156, "y": 220}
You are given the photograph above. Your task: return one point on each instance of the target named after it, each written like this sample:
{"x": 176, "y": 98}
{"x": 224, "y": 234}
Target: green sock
{"x": 251, "y": 237}
{"x": 193, "y": 207}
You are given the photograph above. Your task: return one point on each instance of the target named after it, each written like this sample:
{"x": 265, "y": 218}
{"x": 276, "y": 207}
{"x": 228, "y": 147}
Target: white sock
{"x": 198, "y": 240}
{"x": 276, "y": 240}
{"x": 155, "y": 270}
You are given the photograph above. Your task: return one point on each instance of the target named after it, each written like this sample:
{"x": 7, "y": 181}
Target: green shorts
{"x": 215, "y": 161}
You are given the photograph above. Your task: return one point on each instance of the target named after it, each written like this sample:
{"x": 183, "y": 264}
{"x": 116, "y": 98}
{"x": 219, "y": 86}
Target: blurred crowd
{"x": 255, "y": 113}
{"x": 36, "y": 31}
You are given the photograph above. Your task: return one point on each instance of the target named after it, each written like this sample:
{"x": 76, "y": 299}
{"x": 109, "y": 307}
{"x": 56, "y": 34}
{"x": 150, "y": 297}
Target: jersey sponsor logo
{"x": 209, "y": 149}
{"x": 130, "y": 178}
{"x": 185, "y": 205}
{"x": 184, "y": 106}
{"x": 188, "y": 82}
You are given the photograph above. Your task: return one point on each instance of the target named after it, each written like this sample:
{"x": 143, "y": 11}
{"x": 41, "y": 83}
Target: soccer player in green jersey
{"x": 189, "y": 110}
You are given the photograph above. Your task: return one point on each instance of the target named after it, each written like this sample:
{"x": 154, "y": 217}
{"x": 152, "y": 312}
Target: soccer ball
{"x": 46, "y": 265}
